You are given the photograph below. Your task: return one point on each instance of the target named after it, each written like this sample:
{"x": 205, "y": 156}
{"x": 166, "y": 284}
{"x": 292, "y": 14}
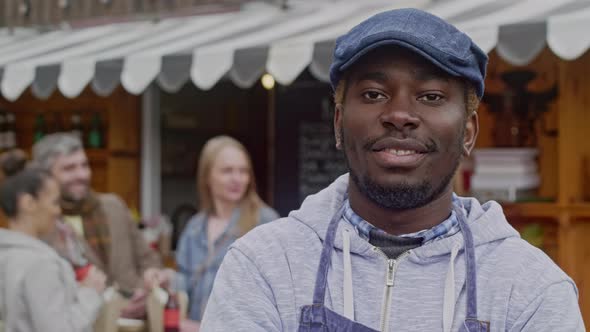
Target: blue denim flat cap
{"x": 428, "y": 35}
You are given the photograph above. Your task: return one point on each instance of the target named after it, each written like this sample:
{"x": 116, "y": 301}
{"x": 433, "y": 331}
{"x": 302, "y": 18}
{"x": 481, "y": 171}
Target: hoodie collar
{"x": 486, "y": 221}
{"x": 317, "y": 210}
{"x": 446, "y": 228}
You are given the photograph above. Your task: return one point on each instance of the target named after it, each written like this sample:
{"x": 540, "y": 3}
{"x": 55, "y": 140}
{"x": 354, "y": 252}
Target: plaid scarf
{"x": 96, "y": 230}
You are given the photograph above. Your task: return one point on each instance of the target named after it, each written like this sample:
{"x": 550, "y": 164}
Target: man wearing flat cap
{"x": 389, "y": 246}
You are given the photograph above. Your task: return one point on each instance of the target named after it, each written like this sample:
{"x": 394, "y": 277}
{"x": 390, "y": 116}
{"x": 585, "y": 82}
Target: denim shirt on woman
{"x": 196, "y": 272}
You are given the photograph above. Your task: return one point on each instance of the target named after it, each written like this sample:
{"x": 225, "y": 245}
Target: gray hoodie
{"x": 38, "y": 290}
{"x": 270, "y": 273}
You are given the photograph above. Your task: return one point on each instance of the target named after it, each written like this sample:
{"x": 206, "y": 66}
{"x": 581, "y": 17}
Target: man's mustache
{"x": 78, "y": 182}
{"x": 429, "y": 143}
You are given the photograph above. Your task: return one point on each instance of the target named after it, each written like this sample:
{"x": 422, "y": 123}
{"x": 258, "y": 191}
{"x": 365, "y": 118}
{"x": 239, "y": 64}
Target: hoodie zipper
{"x": 392, "y": 265}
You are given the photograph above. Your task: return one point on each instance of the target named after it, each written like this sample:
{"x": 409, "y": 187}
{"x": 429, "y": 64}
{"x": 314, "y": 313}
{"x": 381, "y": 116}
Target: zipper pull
{"x": 390, "y": 272}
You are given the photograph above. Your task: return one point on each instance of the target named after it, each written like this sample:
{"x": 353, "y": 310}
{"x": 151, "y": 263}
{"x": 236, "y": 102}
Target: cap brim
{"x": 401, "y": 43}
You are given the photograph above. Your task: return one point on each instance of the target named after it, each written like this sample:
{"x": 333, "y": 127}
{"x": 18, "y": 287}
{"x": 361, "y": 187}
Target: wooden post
{"x": 151, "y": 175}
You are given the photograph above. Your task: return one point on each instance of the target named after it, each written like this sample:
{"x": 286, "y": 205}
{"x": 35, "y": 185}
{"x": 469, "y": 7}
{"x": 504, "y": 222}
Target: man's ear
{"x": 338, "y": 125}
{"x": 471, "y": 131}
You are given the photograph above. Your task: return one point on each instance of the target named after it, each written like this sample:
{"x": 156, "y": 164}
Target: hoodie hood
{"x": 11, "y": 241}
{"x": 487, "y": 222}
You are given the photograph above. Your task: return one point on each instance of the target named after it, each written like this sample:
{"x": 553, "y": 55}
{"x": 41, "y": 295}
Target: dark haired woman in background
{"x": 12, "y": 162}
{"x": 38, "y": 290}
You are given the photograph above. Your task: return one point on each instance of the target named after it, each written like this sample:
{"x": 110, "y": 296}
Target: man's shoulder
{"x": 116, "y": 211}
{"x": 109, "y": 197}
{"x": 533, "y": 256}
{"x": 268, "y": 214}
{"x": 527, "y": 265}
{"x": 528, "y": 276}
{"x": 280, "y": 235}
{"x": 111, "y": 200}
{"x": 278, "y": 229}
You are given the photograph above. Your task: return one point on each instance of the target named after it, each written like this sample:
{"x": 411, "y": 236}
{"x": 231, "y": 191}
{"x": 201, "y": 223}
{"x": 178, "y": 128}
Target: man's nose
{"x": 399, "y": 113}
{"x": 81, "y": 173}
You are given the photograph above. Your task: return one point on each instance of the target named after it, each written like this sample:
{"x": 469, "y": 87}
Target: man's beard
{"x": 403, "y": 196}
{"x": 73, "y": 198}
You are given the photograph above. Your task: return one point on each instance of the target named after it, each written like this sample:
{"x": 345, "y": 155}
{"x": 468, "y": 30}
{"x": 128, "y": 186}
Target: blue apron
{"x": 316, "y": 317}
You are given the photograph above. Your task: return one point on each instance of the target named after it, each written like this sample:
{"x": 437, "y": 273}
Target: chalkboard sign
{"x": 319, "y": 161}
{"x": 307, "y": 160}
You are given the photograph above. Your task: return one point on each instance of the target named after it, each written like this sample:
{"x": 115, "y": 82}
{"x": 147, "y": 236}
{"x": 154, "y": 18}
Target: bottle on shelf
{"x": 10, "y": 133}
{"x": 95, "y": 134}
{"x": 76, "y": 125}
{"x": 40, "y": 128}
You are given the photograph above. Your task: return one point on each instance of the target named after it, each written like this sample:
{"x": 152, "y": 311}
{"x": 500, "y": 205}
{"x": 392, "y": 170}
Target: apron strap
{"x": 321, "y": 280}
{"x": 470, "y": 273}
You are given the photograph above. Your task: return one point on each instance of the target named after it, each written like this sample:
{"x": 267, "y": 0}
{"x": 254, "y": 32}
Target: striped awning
{"x": 262, "y": 39}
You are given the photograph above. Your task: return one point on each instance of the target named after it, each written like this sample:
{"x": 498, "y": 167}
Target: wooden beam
{"x": 82, "y": 13}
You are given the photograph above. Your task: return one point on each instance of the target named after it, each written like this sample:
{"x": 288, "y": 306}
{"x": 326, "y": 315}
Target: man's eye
{"x": 430, "y": 97}
{"x": 373, "y": 95}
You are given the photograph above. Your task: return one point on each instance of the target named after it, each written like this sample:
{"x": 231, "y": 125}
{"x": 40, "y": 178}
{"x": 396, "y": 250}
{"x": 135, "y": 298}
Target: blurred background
{"x": 146, "y": 82}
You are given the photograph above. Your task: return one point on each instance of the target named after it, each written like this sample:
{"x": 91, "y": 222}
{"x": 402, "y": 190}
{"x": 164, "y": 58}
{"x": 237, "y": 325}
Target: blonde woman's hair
{"x": 250, "y": 204}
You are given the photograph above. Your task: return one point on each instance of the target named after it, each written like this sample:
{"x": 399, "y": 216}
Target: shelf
{"x": 530, "y": 210}
{"x": 545, "y": 210}
{"x": 580, "y": 210}
{"x": 97, "y": 155}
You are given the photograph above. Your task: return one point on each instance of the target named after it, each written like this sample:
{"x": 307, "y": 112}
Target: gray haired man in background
{"x": 110, "y": 239}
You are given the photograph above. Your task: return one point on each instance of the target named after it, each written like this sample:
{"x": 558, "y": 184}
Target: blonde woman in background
{"x": 228, "y": 208}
